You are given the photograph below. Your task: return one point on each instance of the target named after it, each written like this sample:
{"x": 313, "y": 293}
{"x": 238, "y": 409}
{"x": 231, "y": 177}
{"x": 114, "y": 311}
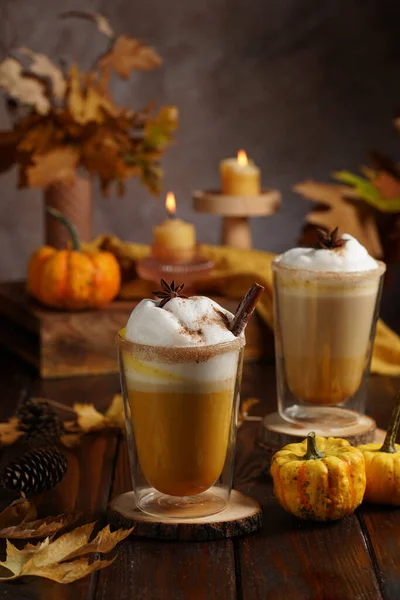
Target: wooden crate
{"x": 65, "y": 344}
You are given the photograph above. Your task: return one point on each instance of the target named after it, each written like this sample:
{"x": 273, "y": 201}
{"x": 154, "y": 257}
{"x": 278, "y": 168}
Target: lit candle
{"x": 174, "y": 239}
{"x": 239, "y": 176}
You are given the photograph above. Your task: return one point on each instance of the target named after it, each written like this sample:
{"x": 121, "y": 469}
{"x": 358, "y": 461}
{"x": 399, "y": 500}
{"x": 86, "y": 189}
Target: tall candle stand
{"x": 236, "y": 211}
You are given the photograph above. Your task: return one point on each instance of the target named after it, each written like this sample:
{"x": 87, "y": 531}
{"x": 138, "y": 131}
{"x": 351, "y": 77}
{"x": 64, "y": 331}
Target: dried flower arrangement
{"x": 66, "y": 121}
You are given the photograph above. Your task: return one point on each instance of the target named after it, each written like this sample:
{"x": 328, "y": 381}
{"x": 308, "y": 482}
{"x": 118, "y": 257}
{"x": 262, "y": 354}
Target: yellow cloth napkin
{"x": 234, "y": 273}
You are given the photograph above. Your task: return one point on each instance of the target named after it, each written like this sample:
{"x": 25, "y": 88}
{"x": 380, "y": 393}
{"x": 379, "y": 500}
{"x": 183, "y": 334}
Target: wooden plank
{"x": 381, "y": 526}
{"x": 151, "y": 570}
{"x": 304, "y": 561}
{"x": 85, "y": 488}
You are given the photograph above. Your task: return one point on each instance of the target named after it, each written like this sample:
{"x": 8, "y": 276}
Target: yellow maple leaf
{"x": 61, "y": 560}
{"x": 90, "y": 419}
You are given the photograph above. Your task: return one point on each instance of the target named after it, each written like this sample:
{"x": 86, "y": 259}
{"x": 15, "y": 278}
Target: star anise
{"x": 330, "y": 241}
{"x": 168, "y": 292}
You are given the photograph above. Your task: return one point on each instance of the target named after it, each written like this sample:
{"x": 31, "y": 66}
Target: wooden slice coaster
{"x": 242, "y": 516}
{"x": 275, "y": 432}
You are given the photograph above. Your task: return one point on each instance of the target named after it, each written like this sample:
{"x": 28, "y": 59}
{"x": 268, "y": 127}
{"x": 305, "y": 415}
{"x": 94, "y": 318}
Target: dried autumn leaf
{"x": 9, "y": 432}
{"x": 128, "y": 54}
{"x": 103, "y": 24}
{"x": 115, "y": 413}
{"x": 90, "y": 419}
{"x": 86, "y": 101}
{"x": 16, "y": 513}
{"x": 381, "y": 190}
{"x": 245, "y": 407}
{"x": 158, "y": 131}
{"x": 39, "y": 528}
{"x": 336, "y": 210}
{"x": 389, "y": 188}
{"x": 41, "y": 138}
{"x": 44, "y": 67}
{"x": 47, "y": 559}
{"x": 27, "y": 89}
{"x": 58, "y": 165}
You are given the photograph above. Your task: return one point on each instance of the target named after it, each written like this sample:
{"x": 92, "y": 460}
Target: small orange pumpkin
{"x": 72, "y": 278}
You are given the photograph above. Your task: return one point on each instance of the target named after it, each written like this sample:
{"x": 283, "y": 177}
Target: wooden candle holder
{"x": 235, "y": 212}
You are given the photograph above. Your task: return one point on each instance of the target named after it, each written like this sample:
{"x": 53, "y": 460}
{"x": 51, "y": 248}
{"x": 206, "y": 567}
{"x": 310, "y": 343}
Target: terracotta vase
{"x": 75, "y": 201}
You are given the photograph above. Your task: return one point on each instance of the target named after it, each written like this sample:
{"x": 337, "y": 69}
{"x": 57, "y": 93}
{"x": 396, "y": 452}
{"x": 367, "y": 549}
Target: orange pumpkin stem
{"x": 312, "y": 451}
{"x": 76, "y": 245}
{"x": 389, "y": 445}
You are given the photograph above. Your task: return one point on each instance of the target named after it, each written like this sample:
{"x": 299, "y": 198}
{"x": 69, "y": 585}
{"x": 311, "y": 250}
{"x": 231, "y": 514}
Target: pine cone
{"x": 35, "y": 472}
{"x": 40, "y": 422}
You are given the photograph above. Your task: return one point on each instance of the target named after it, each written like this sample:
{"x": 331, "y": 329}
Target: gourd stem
{"x": 389, "y": 444}
{"x": 76, "y": 245}
{"x": 312, "y": 451}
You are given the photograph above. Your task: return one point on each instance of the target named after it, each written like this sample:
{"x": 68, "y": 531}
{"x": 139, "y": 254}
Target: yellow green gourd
{"x": 382, "y": 465}
{"x": 320, "y": 479}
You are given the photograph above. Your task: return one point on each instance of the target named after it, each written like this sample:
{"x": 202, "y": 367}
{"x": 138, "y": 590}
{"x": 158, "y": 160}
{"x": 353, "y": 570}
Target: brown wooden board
{"x": 376, "y": 521}
{"x": 66, "y": 343}
{"x": 158, "y": 570}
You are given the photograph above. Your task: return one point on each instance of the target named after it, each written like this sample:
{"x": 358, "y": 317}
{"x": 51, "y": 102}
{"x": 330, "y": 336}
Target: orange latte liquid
{"x": 182, "y": 438}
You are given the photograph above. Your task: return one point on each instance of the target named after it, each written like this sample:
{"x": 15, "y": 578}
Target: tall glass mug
{"x": 181, "y": 408}
{"x": 324, "y": 331}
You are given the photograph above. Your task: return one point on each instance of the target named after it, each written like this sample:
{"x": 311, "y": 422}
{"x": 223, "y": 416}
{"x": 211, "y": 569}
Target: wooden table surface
{"x": 357, "y": 558}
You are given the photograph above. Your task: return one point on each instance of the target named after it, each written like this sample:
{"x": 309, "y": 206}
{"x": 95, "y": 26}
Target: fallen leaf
{"x": 115, "y": 414}
{"x": 16, "y": 513}
{"x": 44, "y": 67}
{"x": 25, "y": 88}
{"x": 9, "y": 432}
{"x": 57, "y": 165}
{"x": 245, "y": 407}
{"x": 337, "y": 210}
{"x": 39, "y": 528}
{"x": 47, "y": 559}
{"x": 88, "y": 417}
{"x": 128, "y": 54}
{"x": 103, "y": 24}
{"x": 70, "y": 440}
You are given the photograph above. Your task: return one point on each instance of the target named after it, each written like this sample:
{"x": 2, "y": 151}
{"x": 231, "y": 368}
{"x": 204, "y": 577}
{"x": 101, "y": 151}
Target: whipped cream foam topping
{"x": 194, "y": 321}
{"x": 351, "y": 257}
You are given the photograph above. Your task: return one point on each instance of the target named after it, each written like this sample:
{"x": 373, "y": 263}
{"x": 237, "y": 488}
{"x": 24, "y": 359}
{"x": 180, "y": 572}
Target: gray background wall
{"x": 305, "y": 87}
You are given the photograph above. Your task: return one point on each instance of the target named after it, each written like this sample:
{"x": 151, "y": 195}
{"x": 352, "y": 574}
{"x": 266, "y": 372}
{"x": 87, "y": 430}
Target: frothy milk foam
{"x": 195, "y": 321}
{"x": 181, "y": 409}
{"x": 326, "y": 301}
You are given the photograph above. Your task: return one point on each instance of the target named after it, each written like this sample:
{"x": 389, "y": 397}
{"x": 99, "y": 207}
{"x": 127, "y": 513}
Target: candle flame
{"x": 170, "y": 204}
{"x": 242, "y": 158}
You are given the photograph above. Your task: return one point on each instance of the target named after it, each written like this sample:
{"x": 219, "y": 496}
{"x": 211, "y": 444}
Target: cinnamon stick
{"x": 245, "y": 309}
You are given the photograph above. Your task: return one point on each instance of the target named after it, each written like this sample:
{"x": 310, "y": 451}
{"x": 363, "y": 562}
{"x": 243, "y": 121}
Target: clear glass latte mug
{"x": 324, "y": 332}
{"x": 181, "y": 407}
